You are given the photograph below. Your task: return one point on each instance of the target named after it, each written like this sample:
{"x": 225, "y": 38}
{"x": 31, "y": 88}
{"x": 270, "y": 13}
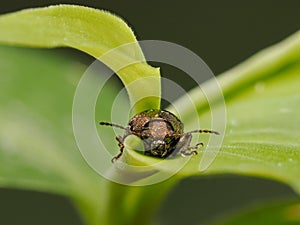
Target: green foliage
{"x": 37, "y": 148}
{"x": 262, "y": 135}
{"x": 284, "y": 213}
{"x": 92, "y": 31}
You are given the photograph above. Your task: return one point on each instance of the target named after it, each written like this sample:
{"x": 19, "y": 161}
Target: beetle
{"x": 161, "y": 132}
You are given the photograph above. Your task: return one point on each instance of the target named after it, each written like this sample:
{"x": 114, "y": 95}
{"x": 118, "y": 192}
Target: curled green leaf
{"x": 96, "y": 32}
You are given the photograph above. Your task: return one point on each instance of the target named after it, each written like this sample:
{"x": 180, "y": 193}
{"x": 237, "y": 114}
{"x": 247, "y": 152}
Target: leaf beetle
{"x": 161, "y": 132}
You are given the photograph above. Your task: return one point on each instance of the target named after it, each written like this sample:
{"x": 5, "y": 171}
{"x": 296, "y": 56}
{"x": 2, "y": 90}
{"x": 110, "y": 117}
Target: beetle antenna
{"x": 112, "y": 125}
{"x": 204, "y": 131}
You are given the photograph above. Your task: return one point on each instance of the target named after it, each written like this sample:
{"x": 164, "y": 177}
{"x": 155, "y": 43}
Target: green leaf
{"x": 262, "y": 135}
{"x": 37, "y": 146}
{"x": 96, "y": 32}
{"x": 284, "y": 213}
{"x": 262, "y": 101}
{"x": 37, "y": 150}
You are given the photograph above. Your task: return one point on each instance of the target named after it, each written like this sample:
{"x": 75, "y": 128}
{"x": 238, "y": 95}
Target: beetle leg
{"x": 184, "y": 145}
{"x": 121, "y": 145}
{"x": 184, "y": 141}
{"x": 184, "y": 151}
{"x": 188, "y": 151}
{"x": 198, "y": 145}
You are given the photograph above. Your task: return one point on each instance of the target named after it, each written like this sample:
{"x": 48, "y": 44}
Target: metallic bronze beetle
{"x": 161, "y": 132}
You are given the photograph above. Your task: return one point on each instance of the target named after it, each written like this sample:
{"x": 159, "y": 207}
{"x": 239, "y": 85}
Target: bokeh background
{"x": 223, "y": 34}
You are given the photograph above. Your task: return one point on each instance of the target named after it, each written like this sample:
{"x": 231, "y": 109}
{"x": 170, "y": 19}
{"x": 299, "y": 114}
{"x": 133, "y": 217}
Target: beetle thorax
{"x": 159, "y": 129}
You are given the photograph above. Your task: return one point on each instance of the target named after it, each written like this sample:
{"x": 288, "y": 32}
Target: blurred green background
{"x": 222, "y": 34}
